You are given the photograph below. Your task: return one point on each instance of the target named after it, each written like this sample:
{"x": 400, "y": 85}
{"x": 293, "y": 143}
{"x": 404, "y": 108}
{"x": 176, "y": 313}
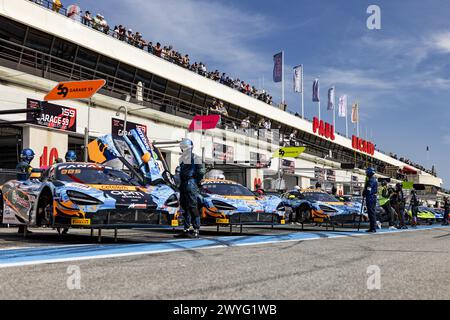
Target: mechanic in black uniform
{"x": 191, "y": 174}
{"x": 370, "y": 194}
{"x": 414, "y": 203}
{"x": 446, "y": 210}
{"x": 24, "y": 170}
{"x": 399, "y": 205}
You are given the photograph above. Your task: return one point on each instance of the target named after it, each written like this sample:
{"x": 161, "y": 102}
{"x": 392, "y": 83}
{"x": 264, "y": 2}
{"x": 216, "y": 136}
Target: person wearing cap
{"x": 87, "y": 18}
{"x": 370, "y": 194}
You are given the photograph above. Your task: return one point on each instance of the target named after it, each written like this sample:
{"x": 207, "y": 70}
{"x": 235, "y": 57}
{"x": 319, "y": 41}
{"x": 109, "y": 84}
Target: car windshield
{"x": 225, "y": 189}
{"x": 94, "y": 175}
{"x": 320, "y": 196}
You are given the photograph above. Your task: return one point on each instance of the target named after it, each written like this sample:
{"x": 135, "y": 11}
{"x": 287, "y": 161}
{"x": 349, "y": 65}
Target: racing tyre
{"x": 303, "y": 214}
{"x": 45, "y": 209}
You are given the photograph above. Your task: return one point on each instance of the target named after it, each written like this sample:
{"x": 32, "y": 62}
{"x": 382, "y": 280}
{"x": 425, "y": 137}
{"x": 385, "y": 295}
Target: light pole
{"x": 125, "y": 110}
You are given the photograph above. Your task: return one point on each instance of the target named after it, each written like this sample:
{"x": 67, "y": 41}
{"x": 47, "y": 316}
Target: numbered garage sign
{"x": 288, "y": 152}
{"x": 75, "y": 90}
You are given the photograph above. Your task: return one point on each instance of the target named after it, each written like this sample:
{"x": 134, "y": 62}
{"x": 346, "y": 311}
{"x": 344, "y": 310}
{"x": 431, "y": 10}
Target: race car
{"x": 81, "y": 195}
{"x": 127, "y": 184}
{"x": 228, "y": 202}
{"x": 305, "y": 211}
{"x": 337, "y": 211}
{"x": 425, "y": 214}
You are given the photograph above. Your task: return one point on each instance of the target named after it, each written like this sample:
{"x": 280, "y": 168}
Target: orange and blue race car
{"x": 81, "y": 195}
{"x": 228, "y": 202}
{"x": 338, "y": 211}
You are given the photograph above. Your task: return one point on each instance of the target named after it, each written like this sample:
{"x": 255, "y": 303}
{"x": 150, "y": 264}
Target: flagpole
{"x": 334, "y": 107}
{"x": 303, "y": 110}
{"x": 346, "y": 117}
{"x": 357, "y": 120}
{"x": 318, "y": 103}
{"x": 282, "y": 77}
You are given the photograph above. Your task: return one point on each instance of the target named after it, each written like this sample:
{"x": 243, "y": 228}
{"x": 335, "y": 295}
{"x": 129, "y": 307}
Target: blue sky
{"x": 400, "y": 75}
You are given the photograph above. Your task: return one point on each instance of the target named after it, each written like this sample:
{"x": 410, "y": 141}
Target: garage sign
{"x": 75, "y": 90}
{"x": 288, "y": 152}
{"x": 53, "y": 115}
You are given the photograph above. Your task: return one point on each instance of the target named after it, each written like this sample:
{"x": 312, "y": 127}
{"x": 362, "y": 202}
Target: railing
{"x": 113, "y": 34}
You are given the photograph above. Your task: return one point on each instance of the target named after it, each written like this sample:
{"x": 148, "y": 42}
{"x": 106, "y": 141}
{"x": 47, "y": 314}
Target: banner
{"x": 331, "y": 98}
{"x": 315, "y": 91}
{"x": 298, "y": 78}
{"x": 331, "y": 175}
{"x": 278, "y": 67}
{"x": 53, "y": 115}
{"x": 355, "y": 113}
{"x": 118, "y": 124}
{"x": 222, "y": 152}
{"x": 343, "y": 106}
{"x": 204, "y": 122}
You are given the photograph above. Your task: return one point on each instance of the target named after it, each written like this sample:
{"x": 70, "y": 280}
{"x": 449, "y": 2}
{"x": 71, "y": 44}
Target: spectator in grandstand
{"x": 267, "y": 124}
{"x": 245, "y": 123}
{"x": 157, "y": 50}
{"x": 185, "y": 61}
{"x": 87, "y": 19}
{"x": 57, "y": 5}
{"x": 150, "y": 47}
{"x": 293, "y": 138}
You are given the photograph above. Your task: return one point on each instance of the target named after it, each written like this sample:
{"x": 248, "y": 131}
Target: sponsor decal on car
{"x": 105, "y": 187}
{"x": 80, "y": 222}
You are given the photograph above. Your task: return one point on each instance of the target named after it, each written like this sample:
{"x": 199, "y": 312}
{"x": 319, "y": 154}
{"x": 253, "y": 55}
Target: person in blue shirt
{"x": 191, "y": 174}
{"x": 23, "y": 174}
{"x": 370, "y": 195}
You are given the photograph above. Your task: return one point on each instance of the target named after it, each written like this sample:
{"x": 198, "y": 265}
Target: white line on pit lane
{"x": 220, "y": 246}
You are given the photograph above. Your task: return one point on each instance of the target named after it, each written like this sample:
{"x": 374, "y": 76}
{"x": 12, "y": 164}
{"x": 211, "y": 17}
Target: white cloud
{"x": 441, "y": 42}
{"x": 212, "y": 32}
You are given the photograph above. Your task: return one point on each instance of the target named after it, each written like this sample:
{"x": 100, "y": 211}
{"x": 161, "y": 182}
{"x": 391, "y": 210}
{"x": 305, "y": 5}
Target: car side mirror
{"x": 146, "y": 157}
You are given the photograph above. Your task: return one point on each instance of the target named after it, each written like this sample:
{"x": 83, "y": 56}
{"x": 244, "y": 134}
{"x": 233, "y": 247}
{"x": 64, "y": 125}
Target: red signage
{"x": 204, "y": 122}
{"x": 363, "y": 145}
{"x": 47, "y": 159}
{"x": 323, "y": 129}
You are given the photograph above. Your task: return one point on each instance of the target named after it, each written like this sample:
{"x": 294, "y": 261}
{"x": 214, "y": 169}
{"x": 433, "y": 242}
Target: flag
{"x": 298, "y": 79}
{"x": 355, "y": 113}
{"x": 343, "y": 106}
{"x": 331, "y": 98}
{"x": 278, "y": 67}
{"x": 315, "y": 91}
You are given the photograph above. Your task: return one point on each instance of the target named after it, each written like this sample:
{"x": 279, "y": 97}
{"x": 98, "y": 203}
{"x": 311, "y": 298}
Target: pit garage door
{"x": 10, "y": 146}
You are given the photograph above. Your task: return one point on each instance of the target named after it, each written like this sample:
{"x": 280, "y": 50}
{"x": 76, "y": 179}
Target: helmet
{"x": 297, "y": 188}
{"x": 398, "y": 185}
{"x": 384, "y": 183}
{"x": 71, "y": 156}
{"x": 370, "y": 171}
{"x": 27, "y": 155}
{"x": 186, "y": 144}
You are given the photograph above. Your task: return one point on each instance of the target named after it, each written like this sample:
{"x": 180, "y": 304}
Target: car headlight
{"x": 172, "y": 201}
{"x": 220, "y": 205}
{"x": 82, "y": 198}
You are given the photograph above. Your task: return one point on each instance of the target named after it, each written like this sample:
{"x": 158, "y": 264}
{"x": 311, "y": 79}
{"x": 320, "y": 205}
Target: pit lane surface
{"x": 260, "y": 264}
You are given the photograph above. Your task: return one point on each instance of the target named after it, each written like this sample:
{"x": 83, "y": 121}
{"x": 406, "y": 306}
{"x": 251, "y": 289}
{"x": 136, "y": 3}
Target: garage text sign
{"x": 75, "y": 90}
{"x": 323, "y": 129}
{"x": 363, "y": 145}
{"x": 53, "y": 115}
